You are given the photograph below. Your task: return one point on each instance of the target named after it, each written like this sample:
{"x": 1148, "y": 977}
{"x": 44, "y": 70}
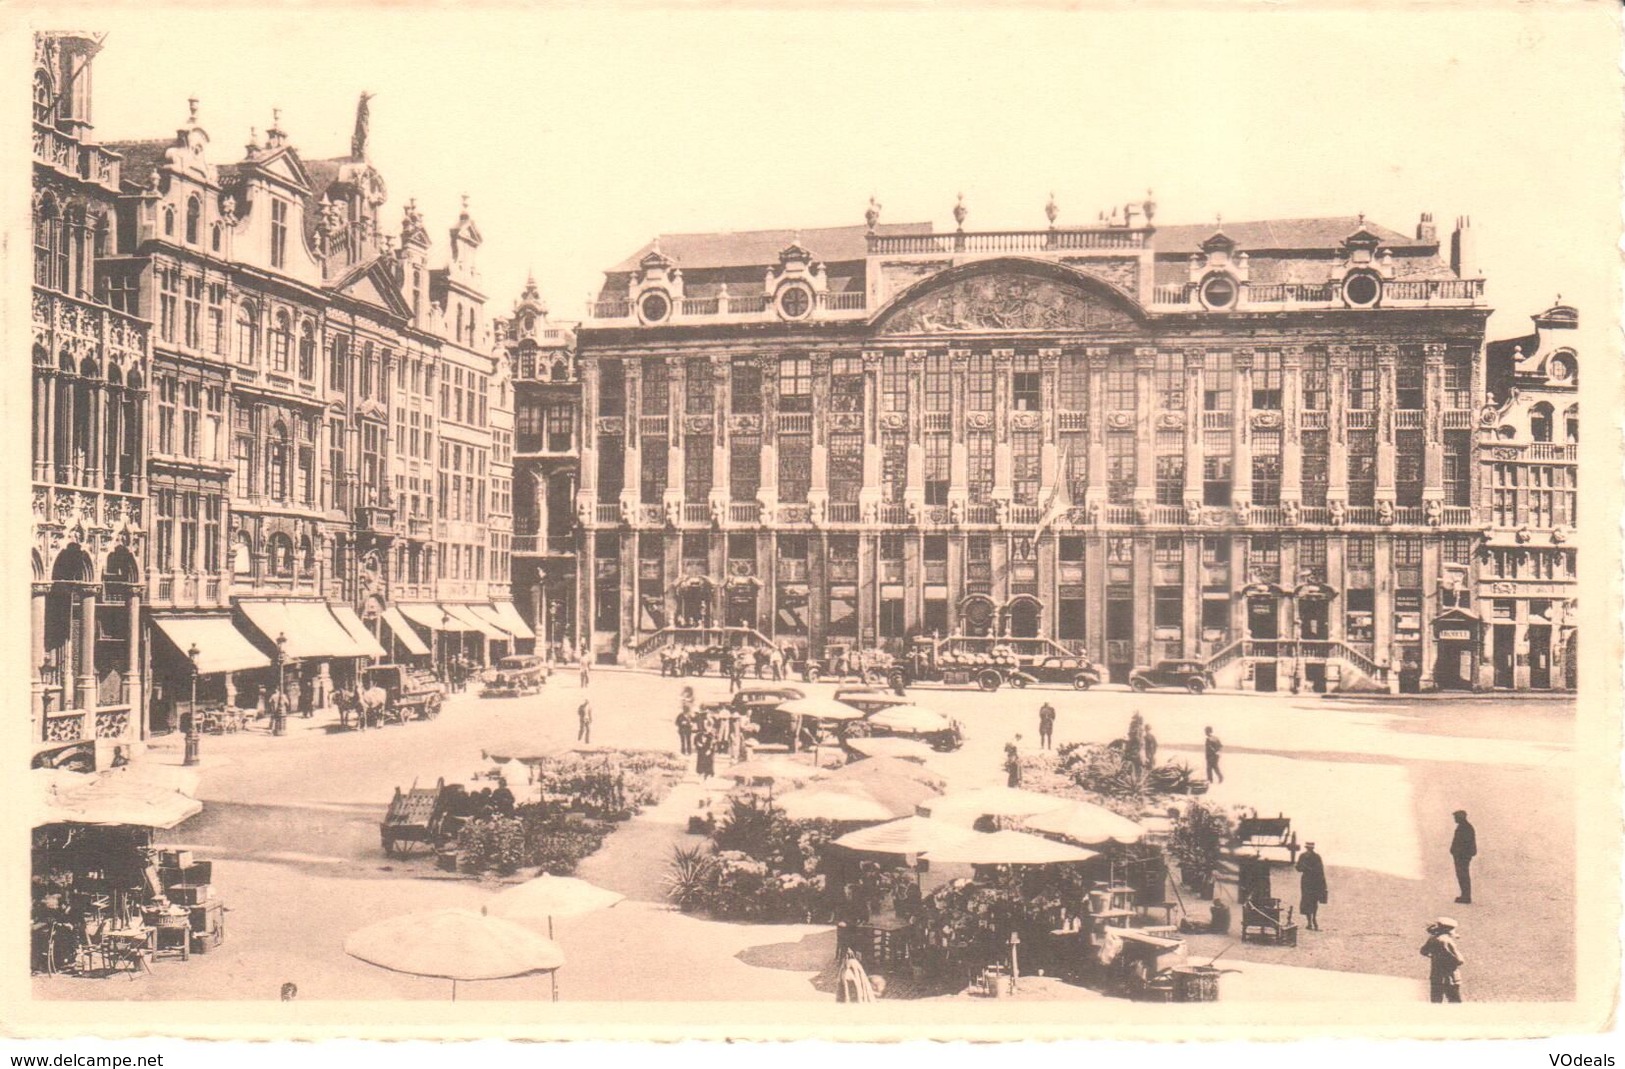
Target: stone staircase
{"x": 1359, "y": 671}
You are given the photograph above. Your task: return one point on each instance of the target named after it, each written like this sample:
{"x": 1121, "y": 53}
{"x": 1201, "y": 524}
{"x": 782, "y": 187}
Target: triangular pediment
{"x": 283, "y": 165}
{"x": 1039, "y": 297}
{"x": 371, "y": 284}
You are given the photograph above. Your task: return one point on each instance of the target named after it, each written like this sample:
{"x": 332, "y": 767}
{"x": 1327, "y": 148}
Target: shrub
{"x": 495, "y": 844}
{"x": 689, "y": 877}
{"x": 1197, "y": 842}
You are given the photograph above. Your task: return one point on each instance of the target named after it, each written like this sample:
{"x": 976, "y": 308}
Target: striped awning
{"x": 510, "y": 620}
{"x": 404, "y": 632}
{"x": 220, "y": 646}
{"x": 432, "y": 616}
{"x": 310, "y": 628}
{"x": 466, "y": 614}
{"x": 357, "y": 631}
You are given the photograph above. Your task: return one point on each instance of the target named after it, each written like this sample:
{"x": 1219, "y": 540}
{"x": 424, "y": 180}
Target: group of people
{"x": 483, "y": 803}
{"x": 704, "y": 733}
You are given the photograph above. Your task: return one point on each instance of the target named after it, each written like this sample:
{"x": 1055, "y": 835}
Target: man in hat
{"x": 1463, "y": 848}
{"x": 1211, "y": 747}
{"x": 1046, "y": 725}
{"x": 1444, "y": 975}
{"x": 1312, "y": 884}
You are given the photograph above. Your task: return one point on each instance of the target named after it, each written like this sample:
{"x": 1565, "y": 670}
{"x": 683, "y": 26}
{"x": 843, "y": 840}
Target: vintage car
{"x": 514, "y": 677}
{"x": 1183, "y": 674}
{"x": 869, "y": 699}
{"x": 1076, "y": 671}
{"x": 871, "y": 666}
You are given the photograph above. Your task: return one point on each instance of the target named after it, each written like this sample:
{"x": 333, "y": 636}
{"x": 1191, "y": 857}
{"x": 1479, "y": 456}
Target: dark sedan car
{"x": 1186, "y": 675}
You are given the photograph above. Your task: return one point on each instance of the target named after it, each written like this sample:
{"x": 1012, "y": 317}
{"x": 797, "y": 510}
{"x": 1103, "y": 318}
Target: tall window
{"x": 307, "y": 351}
{"x": 194, "y": 218}
{"x": 1267, "y": 468}
{"x": 1316, "y": 382}
{"x": 1170, "y": 467}
{"x": 1362, "y": 552}
{"x": 697, "y": 467}
{"x": 560, "y": 421}
{"x": 938, "y": 383}
{"x": 1120, "y": 470}
{"x": 1074, "y": 392}
{"x": 845, "y": 467}
{"x": 745, "y": 386}
{"x": 166, "y": 414}
{"x": 1316, "y": 468}
{"x": 1264, "y": 558}
{"x": 1024, "y": 454}
{"x": 846, "y": 384}
{"x": 279, "y": 233}
{"x": 938, "y": 467}
{"x": 699, "y": 396}
{"x": 1216, "y": 468}
{"x": 1169, "y": 379}
{"x": 653, "y": 473}
{"x": 191, "y": 318}
{"x": 744, "y": 465}
{"x": 1409, "y": 382}
{"x": 1267, "y": 378}
{"x": 248, "y": 335}
{"x": 211, "y": 534}
{"x": 217, "y": 317}
{"x": 1362, "y": 468}
{"x": 1027, "y": 383}
{"x": 1458, "y": 381}
{"x": 795, "y": 384}
{"x": 191, "y": 414}
{"x": 1362, "y": 380}
{"x": 1120, "y": 387}
{"x": 1458, "y": 458}
{"x": 979, "y": 449}
{"x": 894, "y": 383}
{"x": 276, "y": 464}
{"x": 169, "y": 280}
{"x": 611, "y": 388}
{"x": 979, "y": 383}
{"x": 1218, "y": 382}
{"x": 893, "y": 465}
{"x": 795, "y": 467}
{"x": 163, "y": 551}
{"x": 186, "y": 561}
{"x": 281, "y": 341}
{"x": 656, "y": 388}
{"x": 1075, "y": 463}
{"x": 338, "y": 365}
{"x": 1408, "y": 450}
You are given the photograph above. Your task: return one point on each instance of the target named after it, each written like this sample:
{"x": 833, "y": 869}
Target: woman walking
{"x": 705, "y": 760}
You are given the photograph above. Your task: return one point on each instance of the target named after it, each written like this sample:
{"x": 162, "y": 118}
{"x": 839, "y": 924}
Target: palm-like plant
{"x": 689, "y": 877}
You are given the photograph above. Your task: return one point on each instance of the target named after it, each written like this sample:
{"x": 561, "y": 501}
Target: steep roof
{"x": 753, "y": 248}
{"x": 1294, "y": 234}
{"x": 141, "y": 158}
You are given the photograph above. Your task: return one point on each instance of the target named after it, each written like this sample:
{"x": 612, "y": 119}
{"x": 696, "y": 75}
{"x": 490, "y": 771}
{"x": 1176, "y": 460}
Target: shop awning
{"x": 310, "y": 628}
{"x": 511, "y": 621}
{"x": 488, "y": 616}
{"x": 220, "y": 646}
{"x": 357, "y": 631}
{"x": 432, "y": 616}
{"x": 109, "y": 798}
{"x": 404, "y": 632}
{"x": 466, "y": 614}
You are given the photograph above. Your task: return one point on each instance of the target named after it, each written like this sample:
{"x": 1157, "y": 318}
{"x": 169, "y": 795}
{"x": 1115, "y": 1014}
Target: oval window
{"x": 655, "y": 307}
{"x": 1362, "y": 290}
{"x": 795, "y": 302}
{"x": 1219, "y": 291}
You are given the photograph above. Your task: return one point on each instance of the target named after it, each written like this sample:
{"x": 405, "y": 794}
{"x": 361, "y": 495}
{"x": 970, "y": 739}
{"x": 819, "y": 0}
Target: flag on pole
{"x": 1060, "y": 496}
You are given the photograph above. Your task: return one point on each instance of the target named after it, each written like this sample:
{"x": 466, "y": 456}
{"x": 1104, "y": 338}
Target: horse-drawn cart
{"x": 409, "y": 693}
{"x": 422, "y": 816}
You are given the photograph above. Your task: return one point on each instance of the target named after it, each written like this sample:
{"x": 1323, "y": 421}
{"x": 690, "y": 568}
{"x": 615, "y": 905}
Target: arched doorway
{"x": 66, "y": 631}
{"x": 1022, "y": 615}
{"x": 694, "y": 602}
{"x": 739, "y": 607}
{"x": 977, "y": 614}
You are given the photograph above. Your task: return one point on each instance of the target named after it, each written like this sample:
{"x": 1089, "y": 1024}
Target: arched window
{"x": 279, "y": 556}
{"x": 248, "y": 333}
{"x": 341, "y": 559}
{"x": 169, "y": 221}
{"x": 339, "y": 364}
{"x": 194, "y": 218}
{"x": 281, "y": 341}
{"x": 50, "y": 244}
{"x": 1571, "y": 424}
{"x": 277, "y": 469}
{"x": 42, "y": 97}
{"x": 1540, "y": 422}
{"x": 242, "y": 555}
{"x": 215, "y": 235}
{"x": 307, "y": 558}
{"x": 561, "y": 373}
{"x": 307, "y": 350}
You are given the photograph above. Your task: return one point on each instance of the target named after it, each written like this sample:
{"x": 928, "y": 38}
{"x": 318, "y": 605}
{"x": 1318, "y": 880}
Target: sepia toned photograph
{"x": 672, "y": 516}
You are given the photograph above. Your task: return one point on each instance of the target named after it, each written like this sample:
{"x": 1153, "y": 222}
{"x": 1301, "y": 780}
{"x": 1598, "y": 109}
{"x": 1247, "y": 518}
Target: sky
{"x": 580, "y": 134}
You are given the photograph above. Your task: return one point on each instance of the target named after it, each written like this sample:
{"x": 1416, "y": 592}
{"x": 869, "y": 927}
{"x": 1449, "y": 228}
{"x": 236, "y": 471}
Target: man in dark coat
{"x": 1312, "y": 884}
{"x": 1463, "y": 848}
{"x": 1211, "y": 748}
{"x": 1445, "y": 961}
{"x": 1046, "y": 725}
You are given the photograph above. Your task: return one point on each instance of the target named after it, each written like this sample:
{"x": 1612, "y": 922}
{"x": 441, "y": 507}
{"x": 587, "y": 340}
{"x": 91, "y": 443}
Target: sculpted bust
{"x": 1385, "y": 511}
{"x": 1336, "y": 511}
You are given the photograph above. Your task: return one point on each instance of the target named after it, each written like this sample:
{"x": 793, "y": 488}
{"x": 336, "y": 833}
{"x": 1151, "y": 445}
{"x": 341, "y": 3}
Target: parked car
{"x": 1077, "y": 671}
{"x": 869, "y": 699}
{"x": 514, "y": 677}
{"x": 1186, "y": 675}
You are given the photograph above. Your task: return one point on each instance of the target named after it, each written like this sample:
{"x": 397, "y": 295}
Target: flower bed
{"x": 538, "y": 836}
{"x": 613, "y": 785}
{"x": 759, "y": 865}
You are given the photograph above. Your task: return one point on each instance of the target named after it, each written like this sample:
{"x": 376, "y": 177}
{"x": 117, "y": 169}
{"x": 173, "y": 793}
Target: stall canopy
{"x": 434, "y": 617}
{"x": 72, "y": 798}
{"x": 404, "y": 633}
{"x": 310, "y": 628}
{"x": 472, "y": 622}
{"x": 508, "y": 616}
{"x": 357, "y": 631}
{"x": 220, "y": 646}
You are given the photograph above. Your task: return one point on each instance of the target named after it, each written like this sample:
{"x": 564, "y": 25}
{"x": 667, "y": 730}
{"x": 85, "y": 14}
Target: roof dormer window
{"x": 194, "y": 218}
{"x": 279, "y": 233}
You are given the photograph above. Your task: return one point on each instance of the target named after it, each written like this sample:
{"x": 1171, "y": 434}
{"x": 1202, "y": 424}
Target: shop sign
{"x": 1454, "y": 634}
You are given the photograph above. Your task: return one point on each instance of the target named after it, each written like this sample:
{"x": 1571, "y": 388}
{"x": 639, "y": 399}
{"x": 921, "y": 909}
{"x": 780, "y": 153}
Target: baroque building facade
{"x": 1247, "y": 443}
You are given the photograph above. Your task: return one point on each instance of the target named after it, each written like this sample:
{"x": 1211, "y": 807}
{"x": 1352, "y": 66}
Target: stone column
{"x": 1095, "y": 582}
{"x": 959, "y": 459}
{"x": 1433, "y": 452}
{"x": 914, "y": 494}
{"x": 913, "y": 581}
{"x": 133, "y": 690}
{"x": 586, "y": 487}
{"x": 36, "y": 657}
{"x": 1144, "y": 610}
{"x": 1387, "y": 363}
{"x": 587, "y": 585}
{"x": 818, "y": 491}
{"x": 768, "y": 487}
{"x": 1291, "y": 425}
{"x": 870, "y": 493}
{"x": 1382, "y": 646}
{"x": 1145, "y": 456}
{"x": 1049, "y": 473}
{"x": 632, "y": 462}
{"x": 1095, "y": 492}
{"x": 1239, "y": 578}
{"x": 87, "y": 658}
{"x": 721, "y": 447}
{"x": 676, "y": 462}
{"x": 1337, "y": 449}
{"x": 1003, "y": 461}
{"x": 1431, "y": 566}
{"x": 631, "y": 594}
{"x": 1242, "y": 430}
{"x": 1195, "y": 376}
{"x": 1337, "y": 578}
{"x": 1191, "y": 580}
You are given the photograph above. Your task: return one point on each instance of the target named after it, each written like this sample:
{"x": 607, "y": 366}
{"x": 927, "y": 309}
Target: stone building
{"x": 1249, "y": 443}
{"x": 1520, "y": 630}
{"x": 90, "y": 375}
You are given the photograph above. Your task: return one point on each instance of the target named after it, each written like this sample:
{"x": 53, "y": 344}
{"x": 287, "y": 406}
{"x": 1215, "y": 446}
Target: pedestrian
{"x": 1046, "y": 725}
{"x": 1211, "y": 746}
{"x": 306, "y": 699}
{"x": 1445, "y": 961}
{"x": 586, "y": 668}
{"x": 1150, "y": 743}
{"x": 1463, "y": 848}
{"x": 705, "y": 762}
{"x": 736, "y": 674}
{"x": 584, "y": 720}
{"x": 502, "y": 799}
{"x": 1012, "y": 762}
{"x": 685, "y": 731}
{"x": 1134, "y": 753}
{"x": 1312, "y": 885}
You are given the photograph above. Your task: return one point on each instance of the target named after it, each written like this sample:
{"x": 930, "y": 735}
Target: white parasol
{"x": 456, "y": 944}
{"x": 910, "y": 835}
{"x": 968, "y": 806}
{"x": 891, "y": 746}
{"x": 547, "y": 897}
{"x": 1085, "y": 822}
{"x": 821, "y": 709}
{"x": 1008, "y": 848}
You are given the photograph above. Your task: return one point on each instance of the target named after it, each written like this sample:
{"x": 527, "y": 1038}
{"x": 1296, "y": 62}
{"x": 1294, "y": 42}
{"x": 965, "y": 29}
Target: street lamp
{"x": 279, "y": 703}
{"x": 445, "y": 658}
{"x": 194, "y": 738}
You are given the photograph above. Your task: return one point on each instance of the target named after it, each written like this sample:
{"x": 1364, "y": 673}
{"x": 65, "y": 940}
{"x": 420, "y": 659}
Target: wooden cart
{"x": 422, "y": 816}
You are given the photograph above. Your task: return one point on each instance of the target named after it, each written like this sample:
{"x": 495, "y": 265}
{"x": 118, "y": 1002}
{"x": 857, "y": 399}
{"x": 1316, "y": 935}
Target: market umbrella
{"x": 822, "y": 708}
{"x": 890, "y": 767}
{"x": 167, "y": 777}
{"x": 874, "y": 799}
{"x": 525, "y": 751}
{"x": 775, "y": 771}
{"x": 891, "y": 746}
{"x": 1008, "y": 848}
{"x": 456, "y": 944}
{"x": 1085, "y": 822}
{"x": 74, "y": 798}
{"x": 909, "y": 835}
{"x": 550, "y": 896}
{"x": 910, "y": 718}
{"x": 968, "y": 806}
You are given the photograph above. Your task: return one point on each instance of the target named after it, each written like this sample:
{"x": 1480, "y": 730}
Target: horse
{"x": 374, "y": 703}
{"x": 347, "y": 704}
